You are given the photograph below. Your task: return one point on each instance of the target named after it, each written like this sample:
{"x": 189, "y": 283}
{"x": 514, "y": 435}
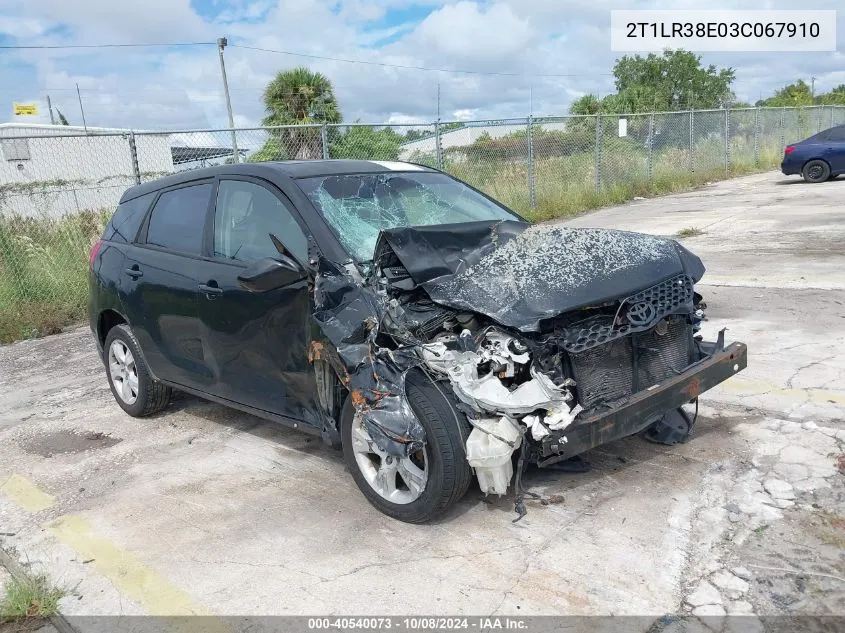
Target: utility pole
{"x": 221, "y": 44}
{"x": 812, "y": 87}
{"x": 438, "y": 100}
{"x": 81, "y": 109}
{"x": 50, "y": 108}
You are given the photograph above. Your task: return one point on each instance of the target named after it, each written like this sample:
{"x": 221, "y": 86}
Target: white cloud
{"x": 181, "y": 88}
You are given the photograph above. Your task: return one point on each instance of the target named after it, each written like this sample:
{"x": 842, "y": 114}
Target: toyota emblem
{"x": 641, "y": 314}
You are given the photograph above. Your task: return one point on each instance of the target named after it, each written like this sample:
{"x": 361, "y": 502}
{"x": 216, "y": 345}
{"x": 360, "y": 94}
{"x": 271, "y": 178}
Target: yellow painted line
{"x": 26, "y": 494}
{"x": 753, "y": 387}
{"x": 130, "y": 576}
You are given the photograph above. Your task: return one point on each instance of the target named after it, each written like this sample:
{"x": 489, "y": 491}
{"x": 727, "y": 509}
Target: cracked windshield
{"x": 359, "y": 206}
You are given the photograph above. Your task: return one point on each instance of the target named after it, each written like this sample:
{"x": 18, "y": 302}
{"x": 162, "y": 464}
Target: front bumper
{"x": 643, "y": 408}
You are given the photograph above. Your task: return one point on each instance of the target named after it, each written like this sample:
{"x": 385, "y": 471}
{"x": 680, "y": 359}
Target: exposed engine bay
{"x": 535, "y": 329}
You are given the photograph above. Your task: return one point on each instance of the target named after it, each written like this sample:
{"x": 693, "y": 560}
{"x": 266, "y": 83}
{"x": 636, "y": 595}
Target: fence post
{"x": 133, "y": 155}
{"x": 437, "y": 144}
{"x": 819, "y": 119}
{"x": 782, "y": 133}
{"x": 532, "y": 189}
{"x": 598, "y": 153}
{"x": 650, "y": 160}
{"x": 727, "y": 140}
{"x": 324, "y": 138}
{"x": 691, "y": 141}
{"x": 757, "y": 136}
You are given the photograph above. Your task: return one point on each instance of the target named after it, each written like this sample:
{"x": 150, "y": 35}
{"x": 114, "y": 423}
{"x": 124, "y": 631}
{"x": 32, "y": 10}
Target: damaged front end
{"x": 552, "y": 340}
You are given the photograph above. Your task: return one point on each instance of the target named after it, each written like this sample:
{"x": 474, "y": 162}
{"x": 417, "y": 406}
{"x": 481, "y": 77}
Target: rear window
{"x": 178, "y": 219}
{"x": 124, "y": 224}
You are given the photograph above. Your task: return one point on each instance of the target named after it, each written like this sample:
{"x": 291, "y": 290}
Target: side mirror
{"x": 271, "y": 273}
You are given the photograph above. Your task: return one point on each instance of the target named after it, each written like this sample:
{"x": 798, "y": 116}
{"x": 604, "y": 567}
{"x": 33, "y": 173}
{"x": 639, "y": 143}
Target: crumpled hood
{"x": 519, "y": 274}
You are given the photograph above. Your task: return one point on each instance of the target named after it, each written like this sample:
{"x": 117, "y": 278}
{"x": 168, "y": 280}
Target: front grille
{"x": 663, "y": 298}
{"x": 605, "y": 374}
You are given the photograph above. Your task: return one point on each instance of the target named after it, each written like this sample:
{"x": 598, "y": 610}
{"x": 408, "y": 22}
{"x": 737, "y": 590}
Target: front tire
{"x": 816, "y": 171}
{"x": 132, "y": 385}
{"x": 417, "y": 488}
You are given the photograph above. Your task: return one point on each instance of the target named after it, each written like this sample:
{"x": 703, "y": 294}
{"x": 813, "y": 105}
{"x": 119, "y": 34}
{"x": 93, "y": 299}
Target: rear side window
{"x": 178, "y": 219}
{"x": 836, "y": 134}
{"x": 124, "y": 224}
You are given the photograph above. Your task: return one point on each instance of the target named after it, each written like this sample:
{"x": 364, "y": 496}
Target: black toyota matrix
{"x": 424, "y": 328}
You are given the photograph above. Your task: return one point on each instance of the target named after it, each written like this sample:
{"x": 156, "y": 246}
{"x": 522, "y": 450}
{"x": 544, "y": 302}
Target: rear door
{"x": 159, "y": 284}
{"x": 256, "y": 343}
{"x": 835, "y": 153}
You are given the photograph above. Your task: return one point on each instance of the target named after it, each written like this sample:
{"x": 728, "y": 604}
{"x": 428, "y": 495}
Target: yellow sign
{"x": 30, "y": 109}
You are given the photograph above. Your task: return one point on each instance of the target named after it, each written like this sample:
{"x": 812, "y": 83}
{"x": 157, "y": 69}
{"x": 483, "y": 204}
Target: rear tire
{"x": 132, "y": 385}
{"x": 447, "y": 470}
{"x": 816, "y": 171}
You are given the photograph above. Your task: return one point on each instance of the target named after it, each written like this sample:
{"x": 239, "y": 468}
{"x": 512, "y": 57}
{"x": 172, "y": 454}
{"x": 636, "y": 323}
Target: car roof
{"x": 289, "y": 168}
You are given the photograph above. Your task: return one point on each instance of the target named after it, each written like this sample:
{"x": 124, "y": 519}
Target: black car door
{"x": 159, "y": 284}
{"x": 255, "y": 344}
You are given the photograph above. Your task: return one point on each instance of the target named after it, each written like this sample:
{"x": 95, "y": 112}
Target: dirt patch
{"x": 67, "y": 442}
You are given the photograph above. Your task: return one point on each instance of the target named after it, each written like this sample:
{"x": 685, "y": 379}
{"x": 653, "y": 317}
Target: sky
{"x": 170, "y": 88}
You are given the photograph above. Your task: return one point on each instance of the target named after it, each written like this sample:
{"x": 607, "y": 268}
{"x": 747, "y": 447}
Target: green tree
{"x": 796, "y": 94}
{"x": 674, "y": 80}
{"x": 366, "y": 143}
{"x": 588, "y": 104}
{"x": 296, "y": 97}
{"x": 834, "y": 97}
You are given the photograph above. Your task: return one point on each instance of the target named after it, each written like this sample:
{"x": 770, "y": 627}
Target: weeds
{"x": 30, "y": 597}
{"x": 43, "y": 272}
{"x": 692, "y": 231}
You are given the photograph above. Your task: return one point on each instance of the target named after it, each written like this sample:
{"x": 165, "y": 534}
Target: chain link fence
{"x": 60, "y": 185}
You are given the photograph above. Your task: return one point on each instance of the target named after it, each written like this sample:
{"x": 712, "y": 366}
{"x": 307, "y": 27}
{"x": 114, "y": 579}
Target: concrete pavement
{"x": 206, "y": 510}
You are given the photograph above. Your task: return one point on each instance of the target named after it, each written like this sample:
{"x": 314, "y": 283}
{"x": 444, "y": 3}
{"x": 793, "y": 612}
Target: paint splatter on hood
{"x": 519, "y": 274}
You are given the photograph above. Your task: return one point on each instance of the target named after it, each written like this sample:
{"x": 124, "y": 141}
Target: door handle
{"x": 210, "y": 291}
{"x": 134, "y": 272}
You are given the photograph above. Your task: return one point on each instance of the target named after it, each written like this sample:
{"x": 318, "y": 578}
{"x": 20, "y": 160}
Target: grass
{"x": 692, "y": 231}
{"x": 43, "y": 272}
{"x": 30, "y": 597}
{"x": 44, "y": 261}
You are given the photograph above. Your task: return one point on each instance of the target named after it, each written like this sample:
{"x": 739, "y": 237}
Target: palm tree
{"x": 297, "y": 97}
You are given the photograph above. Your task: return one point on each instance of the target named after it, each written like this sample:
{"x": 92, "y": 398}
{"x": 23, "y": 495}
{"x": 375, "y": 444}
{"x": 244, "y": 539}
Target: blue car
{"x": 817, "y": 158}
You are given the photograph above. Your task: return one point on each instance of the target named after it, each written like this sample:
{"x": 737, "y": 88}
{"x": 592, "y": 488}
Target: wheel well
{"x": 108, "y": 319}
{"x": 810, "y": 160}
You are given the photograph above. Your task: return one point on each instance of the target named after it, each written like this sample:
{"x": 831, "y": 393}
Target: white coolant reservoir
{"x": 489, "y": 449}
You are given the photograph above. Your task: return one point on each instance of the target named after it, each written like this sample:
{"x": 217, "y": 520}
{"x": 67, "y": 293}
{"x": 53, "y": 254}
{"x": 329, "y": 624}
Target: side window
{"x": 178, "y": 219}
{"x": 127, "y": 219}
{"x": 246, "y": 216}
{"x": 837, "y": 134}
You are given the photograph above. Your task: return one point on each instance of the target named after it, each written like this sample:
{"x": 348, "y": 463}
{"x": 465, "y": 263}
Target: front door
{"x": 255, "y": 344}
{"x": 158, "y": 285}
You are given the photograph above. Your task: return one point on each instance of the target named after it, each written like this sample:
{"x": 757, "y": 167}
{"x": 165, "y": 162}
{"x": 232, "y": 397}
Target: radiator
{"x": 606, "y": 373}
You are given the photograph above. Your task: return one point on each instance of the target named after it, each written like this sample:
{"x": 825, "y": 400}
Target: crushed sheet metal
{"x": 519, "y": 274}
{"x": 349, "y": 315}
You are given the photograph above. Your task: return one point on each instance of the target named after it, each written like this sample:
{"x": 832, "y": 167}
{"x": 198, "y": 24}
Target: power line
{"x": 307, "y": 55}
{"x": 58, "y": 46}
{"x": 425, "y": 68}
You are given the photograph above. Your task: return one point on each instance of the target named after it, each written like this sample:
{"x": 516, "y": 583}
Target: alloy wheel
{"x": 397, "y": 479}
{"x": 123, "y": 372}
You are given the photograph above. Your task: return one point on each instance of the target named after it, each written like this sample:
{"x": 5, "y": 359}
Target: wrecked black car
{"x": 403, "y": 316}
